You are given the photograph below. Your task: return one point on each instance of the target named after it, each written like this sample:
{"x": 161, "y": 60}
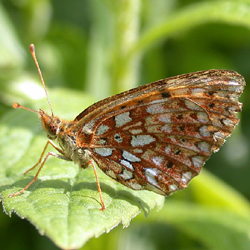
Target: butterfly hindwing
{"x": 158, "y": 136}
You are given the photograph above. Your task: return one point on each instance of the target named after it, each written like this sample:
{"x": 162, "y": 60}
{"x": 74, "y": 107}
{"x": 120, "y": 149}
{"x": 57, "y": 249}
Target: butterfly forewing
{"x": 158, "y": 136}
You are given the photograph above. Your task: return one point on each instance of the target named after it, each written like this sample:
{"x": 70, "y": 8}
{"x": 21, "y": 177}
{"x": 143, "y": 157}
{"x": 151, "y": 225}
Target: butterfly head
{"x": 51, "y": 124}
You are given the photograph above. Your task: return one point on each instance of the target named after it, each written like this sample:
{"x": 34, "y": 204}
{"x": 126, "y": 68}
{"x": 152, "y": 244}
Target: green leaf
{"x": 63, "y": 203}
{"x": 216, "y": 228}
{"x": 210, "y": 191}
{"x": 11, "y": 52}
{"x": 197, "y": 14}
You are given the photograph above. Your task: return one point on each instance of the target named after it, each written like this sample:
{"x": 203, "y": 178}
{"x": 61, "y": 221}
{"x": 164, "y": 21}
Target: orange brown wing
{"x": 158, "y": 136}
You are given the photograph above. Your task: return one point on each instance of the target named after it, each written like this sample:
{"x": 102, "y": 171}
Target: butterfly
{"x": 154, "y": 137}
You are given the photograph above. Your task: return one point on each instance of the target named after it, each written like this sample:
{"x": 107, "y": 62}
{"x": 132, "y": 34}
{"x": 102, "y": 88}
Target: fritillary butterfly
{"x": 155, "y": 137}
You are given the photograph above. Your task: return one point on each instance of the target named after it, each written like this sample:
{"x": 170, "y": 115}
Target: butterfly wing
{"x": 158, "y": 136}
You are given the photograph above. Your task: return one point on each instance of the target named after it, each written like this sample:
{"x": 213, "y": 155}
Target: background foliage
{"x": 102, "y": 47}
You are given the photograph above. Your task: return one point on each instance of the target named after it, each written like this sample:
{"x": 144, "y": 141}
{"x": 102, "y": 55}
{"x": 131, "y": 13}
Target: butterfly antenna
{"x": 32, "y": 51}
{"x": 17, "y": 106}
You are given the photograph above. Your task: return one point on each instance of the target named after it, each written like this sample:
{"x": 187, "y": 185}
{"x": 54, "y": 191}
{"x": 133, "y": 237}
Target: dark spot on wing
{"x": 182, "y": 128}
{"x": 211, "y": 105}
{"x": 170, "y": 164}
{"x": 165, "y": 94}
{"x": 178, "y": 152}
{"x": 179, "y": 117}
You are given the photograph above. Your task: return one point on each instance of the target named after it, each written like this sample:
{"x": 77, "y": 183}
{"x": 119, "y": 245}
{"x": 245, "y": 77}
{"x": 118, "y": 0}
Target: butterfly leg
{"x": 63, "y": 157}
{"x": 98, "y": 184}
{"x": 40, "y": 159}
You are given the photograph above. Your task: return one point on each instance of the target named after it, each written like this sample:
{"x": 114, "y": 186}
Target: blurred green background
{"x": 103, "y": 47}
